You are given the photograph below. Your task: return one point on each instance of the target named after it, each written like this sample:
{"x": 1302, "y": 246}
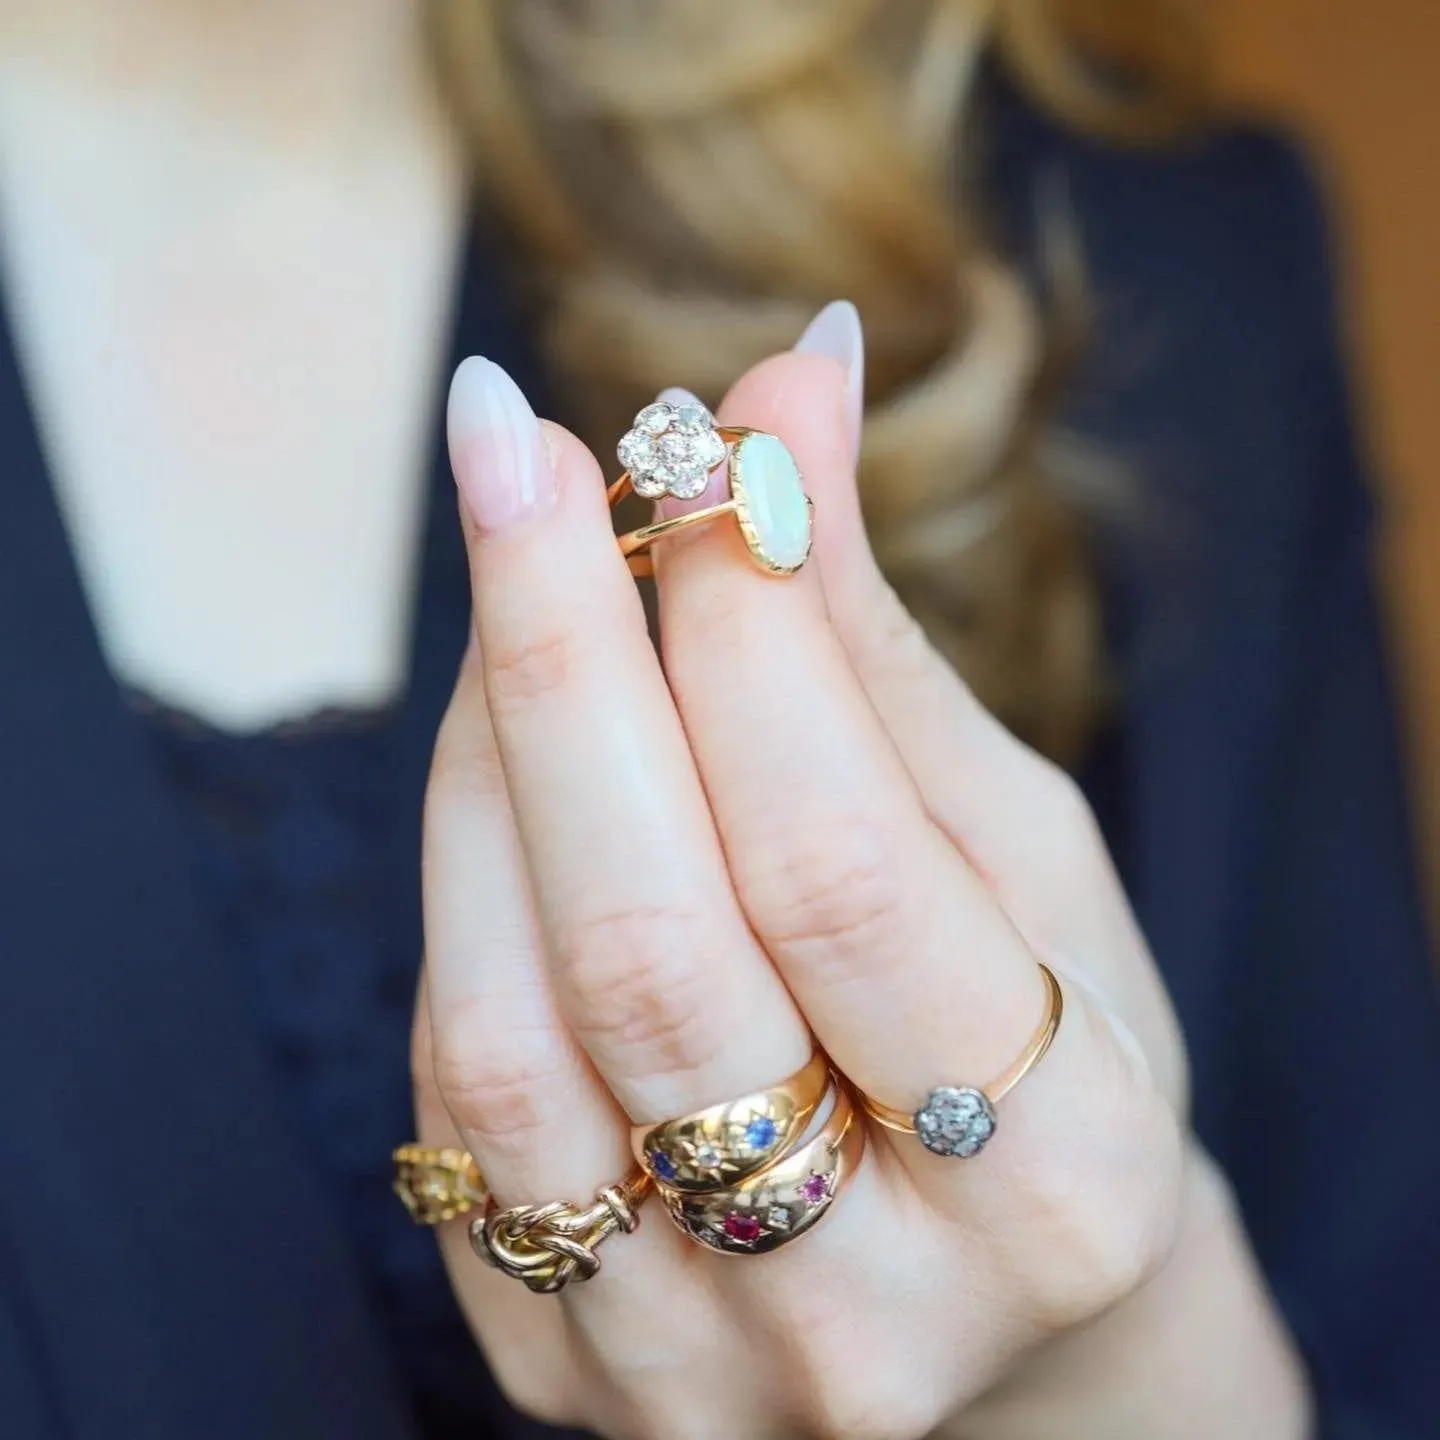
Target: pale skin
{"x": 802, "y": 823}
{"x": 649, "y": 880}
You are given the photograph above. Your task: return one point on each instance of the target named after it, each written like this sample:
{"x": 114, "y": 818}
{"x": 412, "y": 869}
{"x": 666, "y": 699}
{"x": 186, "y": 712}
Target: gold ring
{"x": 547, "y": 1246}
{"x": 672, "y": 450}
{"x": 782, "y": 1202}
{"x": 437, "y": 1184}
{"x": 960, "y": 1119}
{"x": 723, "y": 1144}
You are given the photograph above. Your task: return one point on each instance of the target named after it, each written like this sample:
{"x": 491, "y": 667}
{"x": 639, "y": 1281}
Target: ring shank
{"x": 997, "y": 1089}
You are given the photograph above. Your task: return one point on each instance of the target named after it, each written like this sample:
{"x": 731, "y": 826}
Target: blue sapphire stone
{"x": 662, "y": 1165}
{"x": 760, "y": 1133}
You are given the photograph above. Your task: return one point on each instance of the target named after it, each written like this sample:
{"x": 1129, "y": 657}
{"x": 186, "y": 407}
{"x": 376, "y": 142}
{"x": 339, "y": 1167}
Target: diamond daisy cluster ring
{"x": 672, "y": 450}
{"x": 958, "y": 1120}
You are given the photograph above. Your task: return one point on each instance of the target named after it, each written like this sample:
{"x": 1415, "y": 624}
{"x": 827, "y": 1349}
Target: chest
{"x": 231, "y": 348}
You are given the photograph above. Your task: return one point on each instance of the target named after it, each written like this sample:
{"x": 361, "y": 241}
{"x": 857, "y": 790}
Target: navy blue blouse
{"x": 208, "y": 945}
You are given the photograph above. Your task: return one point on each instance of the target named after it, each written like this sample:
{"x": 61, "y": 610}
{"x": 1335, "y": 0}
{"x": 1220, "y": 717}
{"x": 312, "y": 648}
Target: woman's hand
{"x": 647, "y": 890}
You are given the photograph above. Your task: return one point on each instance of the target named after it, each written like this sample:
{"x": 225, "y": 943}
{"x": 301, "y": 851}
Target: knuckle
{"x": 465, "y": 772}
{"x": 532, "y": 1391}
{"x": 525, "y": 668}
{"x": 1113, "y": 1231}
{"x": 873, "y": 1402}
{"x": 1069, "y": 817}
{"x": 834, "y": 891}
{"x": 635, "y": 980}
{"x": 895, "y": 643}
{"x": 502, "y": 1092}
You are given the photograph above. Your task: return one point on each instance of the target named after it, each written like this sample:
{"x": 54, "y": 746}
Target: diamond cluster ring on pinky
{"x": 672, "y": 450}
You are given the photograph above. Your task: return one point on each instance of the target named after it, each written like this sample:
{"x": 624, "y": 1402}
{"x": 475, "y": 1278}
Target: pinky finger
{"x": 503, "y": 1064}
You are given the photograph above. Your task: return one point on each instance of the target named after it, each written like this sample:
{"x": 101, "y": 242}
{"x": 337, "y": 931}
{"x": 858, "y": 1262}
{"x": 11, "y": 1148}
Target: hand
{"x": 647, "y": 890}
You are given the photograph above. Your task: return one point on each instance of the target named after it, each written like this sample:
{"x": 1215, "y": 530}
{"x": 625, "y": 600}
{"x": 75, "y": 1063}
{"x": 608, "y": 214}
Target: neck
{"x": 297, "y": 65}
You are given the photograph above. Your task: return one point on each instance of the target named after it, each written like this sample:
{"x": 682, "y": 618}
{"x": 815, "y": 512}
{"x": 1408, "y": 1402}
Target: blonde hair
{"x": 689, "y": 182}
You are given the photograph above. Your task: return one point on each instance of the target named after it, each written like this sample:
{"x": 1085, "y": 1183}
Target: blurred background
{"x": 1362, "y": 84}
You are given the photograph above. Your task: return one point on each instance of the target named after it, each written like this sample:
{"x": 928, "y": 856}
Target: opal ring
{"x": 724, "y": 1144}
{"x": 548, "y": 1246}
{"x": 960, "y": 1119}
{"x": 783, "y": 1201}
{"x": 672, "y": 450}
{"x": 437, "y": 1185}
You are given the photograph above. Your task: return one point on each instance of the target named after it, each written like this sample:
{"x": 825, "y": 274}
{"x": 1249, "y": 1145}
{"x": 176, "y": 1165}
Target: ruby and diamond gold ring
{"x": 779, "y": 1203}
{"x": 749, "y": 1175}
{"x": 673, "y": 449}
{"x": 958, "y": 1120}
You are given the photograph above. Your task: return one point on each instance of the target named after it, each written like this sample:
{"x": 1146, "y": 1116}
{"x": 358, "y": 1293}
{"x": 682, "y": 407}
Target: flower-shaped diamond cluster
{"x": 671, "y": 450}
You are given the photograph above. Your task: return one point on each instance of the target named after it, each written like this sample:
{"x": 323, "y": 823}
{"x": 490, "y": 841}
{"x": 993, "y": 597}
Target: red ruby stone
{"x": 744, "y": 1228}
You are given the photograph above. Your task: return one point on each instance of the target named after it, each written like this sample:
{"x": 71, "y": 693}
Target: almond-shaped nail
{"x": 836, "y": 331}
{"x": 496, "y": 451}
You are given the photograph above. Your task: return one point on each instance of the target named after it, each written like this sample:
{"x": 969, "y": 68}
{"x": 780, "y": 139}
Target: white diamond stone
{"x": 636, "y": 451}
{"x": 777, "y": 1217}
{"x": 676, "y": 448}
{"x": 693, "y": 417}
{"x": 707, "y": 1157}
{"x": 687, "y": 482}
{"x": 710, "y": 449}
{"x": 651, "y": 484}
{"x": 765, "y": 482}
{"x": 655, "y": 419}
{"x": 955, "y": 1120}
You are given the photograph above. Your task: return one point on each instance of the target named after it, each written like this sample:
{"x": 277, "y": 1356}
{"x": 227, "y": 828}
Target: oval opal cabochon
{"x": 773, "y": 509}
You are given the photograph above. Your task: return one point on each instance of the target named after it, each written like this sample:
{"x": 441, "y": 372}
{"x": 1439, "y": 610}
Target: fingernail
{"x": 499, "y": 459}
{"x": 679, "y": 395}
{"x": 836, "y": 332}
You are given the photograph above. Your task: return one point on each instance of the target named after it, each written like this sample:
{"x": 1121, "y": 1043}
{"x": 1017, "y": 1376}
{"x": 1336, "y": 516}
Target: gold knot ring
{"x": 548, "y": 1246}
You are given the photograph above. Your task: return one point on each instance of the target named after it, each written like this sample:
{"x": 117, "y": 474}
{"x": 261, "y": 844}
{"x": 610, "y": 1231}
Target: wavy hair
{"x": 688, "y": 182}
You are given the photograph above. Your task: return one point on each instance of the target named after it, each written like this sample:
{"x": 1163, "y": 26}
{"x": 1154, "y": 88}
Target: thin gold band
{"x": 636, "y": 541}
{"x": 998, "y": 1088}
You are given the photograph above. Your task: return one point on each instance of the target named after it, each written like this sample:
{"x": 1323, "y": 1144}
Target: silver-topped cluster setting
{"x": 671, "y": 450}
{"x": 955, "y": 1120}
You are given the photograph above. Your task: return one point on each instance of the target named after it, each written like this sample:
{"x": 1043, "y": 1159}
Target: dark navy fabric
{"x": 206, "y": 945}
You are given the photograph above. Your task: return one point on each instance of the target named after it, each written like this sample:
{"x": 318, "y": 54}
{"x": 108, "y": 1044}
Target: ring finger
{"x": 910, "y": 973}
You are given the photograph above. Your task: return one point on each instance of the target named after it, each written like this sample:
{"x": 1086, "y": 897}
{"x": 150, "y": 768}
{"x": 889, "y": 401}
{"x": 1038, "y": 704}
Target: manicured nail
{"x": 836, "y": 332}
{"x": 679, "y": 395}
{"x": 499, "y": 459}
